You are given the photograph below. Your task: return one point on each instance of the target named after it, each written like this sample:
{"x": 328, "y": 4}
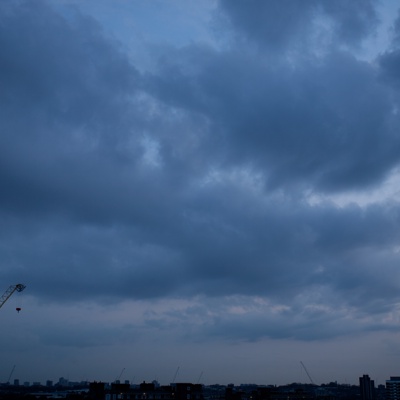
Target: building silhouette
{"x": 367, "y": 388}
{"x": 393, "y": 388}
{"x": 146, "y": 391}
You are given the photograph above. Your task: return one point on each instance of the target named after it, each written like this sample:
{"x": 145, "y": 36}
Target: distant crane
{"x": 9, "y": 377}
{"x": 198, "y": 380}
{"x": 176, "y": 374}
{"x": 119, "y": 376}
{"x": 305, "y": 369}
{"x": 19, "y": 287}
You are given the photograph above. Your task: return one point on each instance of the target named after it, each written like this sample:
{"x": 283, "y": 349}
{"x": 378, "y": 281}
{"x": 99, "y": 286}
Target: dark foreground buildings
{"x": 146, "y": 391}
{"x": 188, "y": 391}
{"x": 103, "y": 391}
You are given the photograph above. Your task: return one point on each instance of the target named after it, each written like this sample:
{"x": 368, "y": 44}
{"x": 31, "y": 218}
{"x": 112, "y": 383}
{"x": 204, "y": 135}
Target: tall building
{"x": 367, "y": 388}
{"x": 393, "y": 388}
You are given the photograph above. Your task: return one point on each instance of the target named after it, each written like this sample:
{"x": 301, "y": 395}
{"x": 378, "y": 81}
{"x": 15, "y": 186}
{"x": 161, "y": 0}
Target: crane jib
{"x": 19, "y": 287}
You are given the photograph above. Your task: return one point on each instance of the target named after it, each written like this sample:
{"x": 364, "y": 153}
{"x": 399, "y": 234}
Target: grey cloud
{"x": 68, "y": 115}
{"x": 274, "y": 252}
{"x": 327, "y": 123}
{"x": 389, "y": 59}
{"x": 79, "y": 336}
{"x": 87, "y": 334}
{"x": 353, "y": 21}
{"x": 270, "y": 23}
{"x": 284, "y": 326}
{"x": 292, "y": 25}
{"x": 34, "y": 79}
{"x": 298, "y": 327}
{"x": 218, "y": 207}
{"x": 396, "y": 29}
{"x": 244, "y": 319}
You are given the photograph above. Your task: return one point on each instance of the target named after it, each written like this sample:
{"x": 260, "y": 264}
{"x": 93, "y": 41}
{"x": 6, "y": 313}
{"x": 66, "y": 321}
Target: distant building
{"x": 380, "y": 392}
{"x": 97, "y": 390}
{"x": 146, "y": 391}
{"x": 187, "y": 391}
{"x": 63, "y": 382}
{"x": 16, "y": 382}
{"x": 393, "y": 388}
{"x": 367, "y": 388}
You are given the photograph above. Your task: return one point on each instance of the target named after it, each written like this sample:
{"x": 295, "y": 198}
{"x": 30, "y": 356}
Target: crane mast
{"x": 19, "y": 287}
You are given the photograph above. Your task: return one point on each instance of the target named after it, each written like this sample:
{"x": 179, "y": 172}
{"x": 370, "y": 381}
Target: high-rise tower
{"x": 393, "y": 388}
{"x": 367, "y": 388}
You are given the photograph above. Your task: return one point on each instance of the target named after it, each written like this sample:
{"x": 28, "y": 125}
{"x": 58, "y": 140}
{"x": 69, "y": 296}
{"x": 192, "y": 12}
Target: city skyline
{"x": 211, "y": 185}
{"x": 62, "y": 381}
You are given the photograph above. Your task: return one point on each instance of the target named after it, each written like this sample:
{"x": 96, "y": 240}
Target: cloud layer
{"x": 211, "y": 178}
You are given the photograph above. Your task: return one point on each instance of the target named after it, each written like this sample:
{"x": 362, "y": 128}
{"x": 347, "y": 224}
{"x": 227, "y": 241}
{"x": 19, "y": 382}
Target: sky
{"x": 206, "y": 191}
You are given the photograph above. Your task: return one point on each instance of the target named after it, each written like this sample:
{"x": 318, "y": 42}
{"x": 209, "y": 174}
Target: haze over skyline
{"x": 206, "y": 184}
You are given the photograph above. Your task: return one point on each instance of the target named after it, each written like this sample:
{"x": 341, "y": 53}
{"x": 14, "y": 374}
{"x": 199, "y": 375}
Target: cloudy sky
{"x": 212, "y": 185}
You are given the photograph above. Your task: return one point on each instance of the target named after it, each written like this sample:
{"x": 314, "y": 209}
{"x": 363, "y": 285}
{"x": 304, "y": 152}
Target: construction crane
{"x": 19, "y": 287}
{"x": 198, "y": 380}
{"x": 9, "y": 377}
{"x": 176, "y": 374}
{"x": 119, "y": 376}
{"x": 305, "y": 369}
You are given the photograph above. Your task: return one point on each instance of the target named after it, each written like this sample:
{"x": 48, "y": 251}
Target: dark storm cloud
{"x": 389, "y": 61}
{"x": 286, "y": 325}
{"x": 63, "y": 107}
{"x": 326, "y": 123}
{"x": 278, "y": 25}
{"x": 191, "y": 180}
